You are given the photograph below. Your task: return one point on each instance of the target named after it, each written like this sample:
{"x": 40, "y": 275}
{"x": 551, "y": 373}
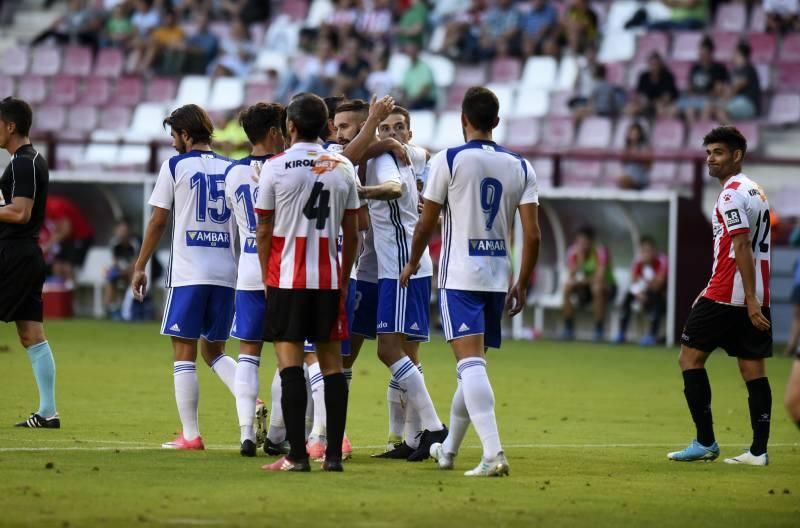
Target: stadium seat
{"x": 68, "y": 155}
{"x": 785, "y": 109}
{"x": 764, "y": 70}
{"x": 668, "y": 134}
{"x": 226, "y": 94}
{"x": 567, "y": 73}
{"x": 470, "y": 76}
{"x": 620, "y": 132}
{"x": 616, "y": 73}
{"x": 680, "y": 70}
{"x": 50, "y": 118}
{"x": 296, "y": 9}
{"x": 14, "y": 61}
{"x": 257, "y": 91}
{"x": 115, "y": 118}
{"x": 271, "y": 60}
{"x": 499, "y": 134}
{"x": 398, "y": 64}
{"x": 77, "y": 61}
{"x": 45, "y": 60}
{"x": 539, "y": 72}
{"x": 530, "y": 103}
{"x": 505, "y": 69}
{"x": 725, "y": 45}
{"x": 790, "y": 48}
{"x": 193, "y": 89}
{"x": 423, "y": 123}
{"x": 697, "y": 131}
{"x": 686, "y": 45}
{"x": 522, "y": 133}
{"x": 448, "y": 131}
{"x": 128, "y": 91}
{"x": 731, "y": 17}
{"x": 318, "y": 12}
{"x": 752, "y": 131}
{"x": 559, "y": 104}
{"x": 685, "y": 174}
{"x": 617, "y": 46}
{"x": 109, "y": 62}
{"x": 160, "y": 90}
{"x": 282, "y": 35}
{"x": 544, "y": 171}
{"x": 758, "y": 18}
{"x": 594, "y": 133}
{"x": 82, "y": 118}
{"x": 648, "y": 43}
{"x": 34, "y": 88}
{"x": 64, "y": 90}
{"x": 505, "y": 96}
{"x": 663, "y": 171}
{"x": 134, "y": 157}
{"x": 558, "y": 132}
{"x": 581, "y": 173}
{"x": 100, "y": 154}
{"x": 444, "y": 70}
{"x": 96, "y": 91}
{"x": 634, "y": 71}
{"x": 6, "y": 86}
{"x": 146, "y": 122}
{"x": 762, "y": 47}
{"x": 787, "y": 76}
{"x": 455, "y": 96}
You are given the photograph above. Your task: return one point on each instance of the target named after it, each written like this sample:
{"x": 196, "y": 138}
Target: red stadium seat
{"x": 648, "y": 43}
{"x": 96, "y": 91}
{"x": 109, "y": 63}
{"x": 785, "y": 109}
{"x": 505, "y": 70}
{"x": 82, "y": 118}
{"x": 790, "y": 48}
{"x": 581, "y": 173}
{"x": 455, "y": 96}
{"x": 77, "y": 61}
{"x": 686, "y": 45}
{"x": 616, "y": 72}
{"x": 296, "y": 9}
{"x": 752, "y": 131}
{"x": 34, "y": 88}
{"x": 697, "y": 132}
{"x": 762, "y": 47}
{"x": 668, "y": 134}
{"x": 620, "y": 132}
{"x": 758, "y": 18}
{"x": 663, "y": 171}
{"x": 116, "y": 118}
{"x": 731, "y": 17}
{"x": 681, "y": 70}
{"x": 128, "y": 92}
{"x": 64, "y": 90}
{"x": 50, "y": 118}
{"x": 6, "y": 86}
{"x": 558, "y": 132}
{"x": 14, "y": 61}
{"x": 523, "y": 133}
{"x": 470, "y": 76}
{"x": 257, "y": 91}
{"x": 161, "y": 90}
{"x": 45, "y": 60}
{"x": 724, "y": 45}
{"x": 559, "y": 104}
{"x": 594, "y": 133}
{"x": 787, "y": 76}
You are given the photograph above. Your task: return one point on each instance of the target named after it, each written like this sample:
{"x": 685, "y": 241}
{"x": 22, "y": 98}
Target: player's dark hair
{"x": 647, "y": 239}
{"x": 309, "y": 114}
{"x": 399, "y": 110}
{"x": 258, "y": 119}
{"x": 728, "y": 136}
{"x": 481, "y": 108}
{"x": 193, "y": 120}
{"x": 332, "y": 103}
{"x": 17, "y": 111}
{"x": 587, "y": 231}
{"x": 354, "y": 105}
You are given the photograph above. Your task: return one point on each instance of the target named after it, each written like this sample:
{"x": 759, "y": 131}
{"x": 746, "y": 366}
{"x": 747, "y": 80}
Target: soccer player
{"x": 732, "y": 312}
{"x": 485, "y": 185}
{"x": 648, "y": 288}
{"x": 265, "y": 126}
{"x": 23, "y": 194}
{"x": 305, "y": 196}
{"x": 201, "y": 274}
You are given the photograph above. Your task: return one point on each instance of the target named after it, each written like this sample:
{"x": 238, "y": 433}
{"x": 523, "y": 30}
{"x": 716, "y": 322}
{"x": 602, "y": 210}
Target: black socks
{"x": 293, "y": 404}
{"x": 697, "y": 390}
{"x": 336, "y": 393}
{"x": 760, "y": 403}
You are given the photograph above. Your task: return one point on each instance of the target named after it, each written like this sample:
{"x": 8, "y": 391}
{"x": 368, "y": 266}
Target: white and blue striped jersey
{"x": 192, "y": 186}
{"x": 241, "y": 191}
{"x": 393, "y": 221}
{"x": 483, "y": 184}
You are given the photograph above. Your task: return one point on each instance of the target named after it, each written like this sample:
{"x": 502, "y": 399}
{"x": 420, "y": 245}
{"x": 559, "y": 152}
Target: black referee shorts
{"x": 711, "y": 324}
{"x": 300, "y": 315}
{"x": 22, "y": 274}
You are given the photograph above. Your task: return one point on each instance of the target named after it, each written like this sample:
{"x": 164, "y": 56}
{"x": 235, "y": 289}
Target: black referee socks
{"x": 336, "y": 394}
{"x": 760, "y": 403}
{"x": 293, "y": 404}
{"x": 697, "y": 390}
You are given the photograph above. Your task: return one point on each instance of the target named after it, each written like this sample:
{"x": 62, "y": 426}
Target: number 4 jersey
{"x": 309, "y": 190}
{"x": 192, "y": 185}
{"x": 742, "y": 207}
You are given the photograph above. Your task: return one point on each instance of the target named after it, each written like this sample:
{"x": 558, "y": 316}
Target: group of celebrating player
{"x": 333, "y": 249}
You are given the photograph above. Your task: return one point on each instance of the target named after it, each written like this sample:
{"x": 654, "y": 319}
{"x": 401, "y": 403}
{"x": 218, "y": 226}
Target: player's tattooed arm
{"x": 266, "y": 223}
{"x": 152, "y": 236}
{"x": 747, "y": 268}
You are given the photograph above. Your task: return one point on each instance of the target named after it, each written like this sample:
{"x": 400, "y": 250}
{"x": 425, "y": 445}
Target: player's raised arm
{"x": 379, "y": 110}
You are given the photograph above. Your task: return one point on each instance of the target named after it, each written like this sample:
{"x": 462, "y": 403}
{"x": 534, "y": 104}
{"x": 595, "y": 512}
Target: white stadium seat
{"x": 617, "y": 47}
{"x": 146, "y": 122}
{"x": 448, "y": 131}
{"x": 505, "y": 96}
{"x": 398, "y": 64}
{"x": 282, "y": 35}
{"x": 567, "y": 73}
{"x": 444, "y": 71}
{"x": 100, "y": 154}
{"x": 193, "y": 89}
{"x": 135, "y": 156}
{"x": 271, "y": 60}
{"x": 318, "y": 12}
{"x": 499, "y": 133}
{"x": 423, "y": 125}
{"x": 531, "y": 103}
{"x": 93, "y": 273}
{"x": 226, "y": 94}
{"x": 539, "y": 72}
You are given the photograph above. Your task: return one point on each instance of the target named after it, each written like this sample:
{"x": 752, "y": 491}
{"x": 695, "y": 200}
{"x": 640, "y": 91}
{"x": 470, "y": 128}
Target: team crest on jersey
{"x": 250, "y": 245}
{"x": 479, "y": 247}
{"x": 732, "y": 218}
{"x": 325, "y": 164}
{"x": 214, "y": 239}
{"x": 726, "y": 197}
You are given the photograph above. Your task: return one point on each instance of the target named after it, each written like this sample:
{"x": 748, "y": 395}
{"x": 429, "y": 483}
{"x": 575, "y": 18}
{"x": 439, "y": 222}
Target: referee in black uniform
{"x": 23, "y": 193}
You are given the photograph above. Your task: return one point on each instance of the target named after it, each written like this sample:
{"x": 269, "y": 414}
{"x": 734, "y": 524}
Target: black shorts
{"x": 711, "y": 324}
{"x": 22, "y": 274}
{"x": 300, "y": 315}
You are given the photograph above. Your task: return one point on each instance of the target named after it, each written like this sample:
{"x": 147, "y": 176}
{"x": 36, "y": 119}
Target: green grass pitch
{"x": 586, "y": 429}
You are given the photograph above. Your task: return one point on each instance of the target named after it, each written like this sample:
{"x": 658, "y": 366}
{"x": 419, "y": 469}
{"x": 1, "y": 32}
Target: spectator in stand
{"x": 580, "y": 25}
{"x": 82, "y": 24}
{"x": 584, "y": 82}
{"x": 459, "y": 42}
{"x": 648, "y": 289}
{"x": 237, "y": 53}
{"x": 742, "y": 98}
{"x": 71, "y": 236}
{"x": 318, "y": 72}
{"x": 707, "y": 80}
{"x": 162, "y": 50}
{"x": 343, "y": 18}
{"x": 124, "y": 250}
{"x": 536, "y": 25}
{"x": 656, "y": 91}
{"x": 229, "y": 136}
{"x": 201, "y": 47}
{"x": 499, "y": 30}
{"x": 375, "y": 22}
{"x": 590, "y": 281}
{"x": 635, "y": 173}
{"x": 412, "y": 24}
{"x": 145, "y": 17}
{"x": 353, "y": 71}
{"x": 418, "y": 88}
{"x": 119, "y": 31}
{"x": 606, "y": 99}
{"x": 685, "y": 15}
{"x": 782, "y": 15}
{"x": 380, "y": 81}
{"x": 250, "y": 10}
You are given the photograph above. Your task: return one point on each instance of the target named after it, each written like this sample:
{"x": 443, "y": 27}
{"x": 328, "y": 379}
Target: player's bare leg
{"x": 315, "y": 410}
{"x": 792, "y": 400}
{"x": 336, "y": 396}
{"x": 187, "y": 394}
{"x": 759, "y": 402}
{"x": 697, "y": 390}
{"x": 246, "y": 386}
{"x": 32, "y": 338}
{"x": 223, "y": 366}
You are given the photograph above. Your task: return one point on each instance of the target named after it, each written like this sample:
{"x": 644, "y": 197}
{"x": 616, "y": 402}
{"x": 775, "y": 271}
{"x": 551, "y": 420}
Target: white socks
{"x": 277, "y": 428}
{"x": 479, "y": 400}
{"x": 406, "y": 374}
{"x": 315, "y": 378}
{"x": 187, "y": 397}
{"x": 246, "y": 393}
{"x": 459, "y": 421}
{"x": 225, "y": 367}
{"x": 397, "y": 412}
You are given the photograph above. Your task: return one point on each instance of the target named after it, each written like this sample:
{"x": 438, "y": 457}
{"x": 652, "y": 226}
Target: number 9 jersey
{"x": 742, "y": 207}
{"x": 481, "y": 185}
{"x": 192, "y": 186}
{"x": 309, "y": 190}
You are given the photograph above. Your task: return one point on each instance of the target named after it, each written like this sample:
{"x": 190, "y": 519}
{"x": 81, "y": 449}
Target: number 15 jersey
{"x": 192, "y": 185}
{"x": 309, "y": 190}
{"x": 481, "y": 185}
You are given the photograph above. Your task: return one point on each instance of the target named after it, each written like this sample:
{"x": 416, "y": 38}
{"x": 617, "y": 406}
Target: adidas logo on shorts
{"x": 175, "y": 328}
{"x": 415, "y": 326}
{"x": 463, "y": 327}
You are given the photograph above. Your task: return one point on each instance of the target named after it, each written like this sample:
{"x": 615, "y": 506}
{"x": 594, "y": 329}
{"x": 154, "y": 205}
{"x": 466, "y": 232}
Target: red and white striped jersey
{"x": 310, "y": 190}
{"x": 742, "y": 207}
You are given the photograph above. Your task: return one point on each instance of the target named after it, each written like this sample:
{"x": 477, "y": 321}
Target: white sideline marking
{"x": 192, "y": 522}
